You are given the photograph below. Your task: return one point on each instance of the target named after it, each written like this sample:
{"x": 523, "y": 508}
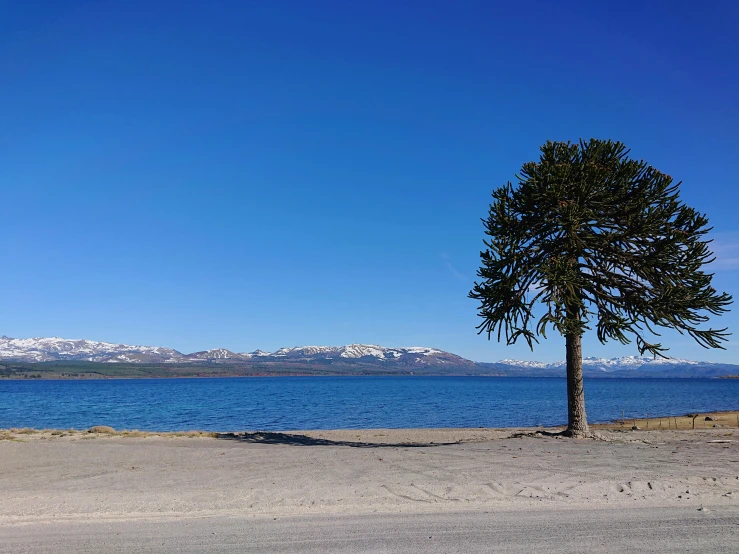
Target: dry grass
{"x": 135, "y": 433}
{"x": 99, "y": 431}
{"x": 23, "y": 431}
{"x": 726, "y": 420}
{"x": 103, "y": 429}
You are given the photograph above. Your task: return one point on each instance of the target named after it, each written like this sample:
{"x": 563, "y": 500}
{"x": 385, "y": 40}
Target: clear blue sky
{"x": 264, "y": 174}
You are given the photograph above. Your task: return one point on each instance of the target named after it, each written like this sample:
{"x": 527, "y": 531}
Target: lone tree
{"x": 589, "y": 236}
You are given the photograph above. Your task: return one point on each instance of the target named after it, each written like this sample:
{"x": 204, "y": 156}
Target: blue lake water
{"x": 282, "y": 403}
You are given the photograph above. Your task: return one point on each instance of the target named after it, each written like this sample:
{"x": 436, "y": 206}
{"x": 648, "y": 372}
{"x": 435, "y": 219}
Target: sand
{"x": 81, "y": 476}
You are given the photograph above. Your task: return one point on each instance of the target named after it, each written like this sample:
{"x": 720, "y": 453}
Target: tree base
{"x": 580, "y": 434}
{"x": 590, "y": 435}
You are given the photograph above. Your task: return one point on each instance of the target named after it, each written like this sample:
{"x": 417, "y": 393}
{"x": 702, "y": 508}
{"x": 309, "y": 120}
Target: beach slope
{"x": 383, "y": 485}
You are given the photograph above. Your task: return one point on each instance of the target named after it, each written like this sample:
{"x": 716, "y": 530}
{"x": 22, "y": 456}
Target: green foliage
{"x": 593, "y": 236}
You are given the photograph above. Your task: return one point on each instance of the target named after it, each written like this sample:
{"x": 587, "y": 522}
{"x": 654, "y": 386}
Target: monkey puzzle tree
{"x": 591, "y": 237}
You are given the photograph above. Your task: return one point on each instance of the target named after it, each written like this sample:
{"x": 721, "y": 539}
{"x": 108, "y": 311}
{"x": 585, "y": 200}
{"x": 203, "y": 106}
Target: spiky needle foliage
{"x": 594, "y": 236}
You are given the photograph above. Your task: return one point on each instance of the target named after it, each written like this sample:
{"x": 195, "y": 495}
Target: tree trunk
{"x": 577, "y": 421}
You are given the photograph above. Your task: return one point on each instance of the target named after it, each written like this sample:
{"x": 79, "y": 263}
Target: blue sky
{"x": 265, "y": 174}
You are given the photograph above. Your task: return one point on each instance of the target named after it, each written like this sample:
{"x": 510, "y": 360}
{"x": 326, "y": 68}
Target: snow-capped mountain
{"x": 414, "y": 356}
{"x": 354, "y": 351}
{"x": 607, "y": 364}
{"x": 524, "y": 364}
{"x": 55, "y": 348}
{"x": 352, "y": 358}
{"x": 626, "y": 366}
{"x": 215, "y": 354}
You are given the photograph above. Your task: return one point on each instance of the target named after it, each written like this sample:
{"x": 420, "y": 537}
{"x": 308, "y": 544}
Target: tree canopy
{"x": 598, "y": 239}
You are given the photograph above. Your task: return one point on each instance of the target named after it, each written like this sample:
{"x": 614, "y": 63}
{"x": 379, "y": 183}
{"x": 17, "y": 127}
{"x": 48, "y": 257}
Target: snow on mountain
{"x": 352, "y": 351}
{"x": 608, "y": 364}
{"x": 215, "y": 354}
{"x": 419, "y": 354}
{"x": 522, "y": 363}
{"x": 422, "y": 350}
{"x": 256, "y": 353}
{"x": 376, "y": 351}
{"x": 636, "y": 361}
{"x": 55, "y": 348}
{"x": 303, "y": 351}
{"x": 362, "y": 350}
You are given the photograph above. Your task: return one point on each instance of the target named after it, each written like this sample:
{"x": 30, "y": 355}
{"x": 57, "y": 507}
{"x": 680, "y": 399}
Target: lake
{"x": 282, "y": 403}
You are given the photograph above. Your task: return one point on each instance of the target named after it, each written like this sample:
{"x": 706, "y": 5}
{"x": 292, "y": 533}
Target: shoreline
{"x": 718, "y": 420}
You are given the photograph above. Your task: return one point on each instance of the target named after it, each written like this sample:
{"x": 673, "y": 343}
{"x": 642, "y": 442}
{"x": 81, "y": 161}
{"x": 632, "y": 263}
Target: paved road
{"x": 551, "y": 531}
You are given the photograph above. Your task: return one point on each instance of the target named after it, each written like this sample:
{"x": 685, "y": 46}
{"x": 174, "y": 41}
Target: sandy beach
{"x": 62, "y": 480}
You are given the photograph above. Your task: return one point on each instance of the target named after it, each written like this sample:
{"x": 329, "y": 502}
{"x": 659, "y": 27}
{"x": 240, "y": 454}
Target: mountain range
{"x": 353, "y": 358}
{"x": 55, "y": 349}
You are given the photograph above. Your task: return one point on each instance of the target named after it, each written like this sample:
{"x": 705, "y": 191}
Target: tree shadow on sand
{"x": 268, "y": 437}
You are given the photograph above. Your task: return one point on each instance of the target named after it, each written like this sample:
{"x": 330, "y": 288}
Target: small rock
{"x": 709, "y": 418}
{"x": 702, "y": 509}
{"x": 635, "y": 428}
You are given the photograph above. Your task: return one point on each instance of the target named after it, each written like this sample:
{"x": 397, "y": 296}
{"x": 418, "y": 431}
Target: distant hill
{"x": 55, "y": 356}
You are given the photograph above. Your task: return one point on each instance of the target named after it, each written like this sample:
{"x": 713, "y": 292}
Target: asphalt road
{"x": 645, "y": 530}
